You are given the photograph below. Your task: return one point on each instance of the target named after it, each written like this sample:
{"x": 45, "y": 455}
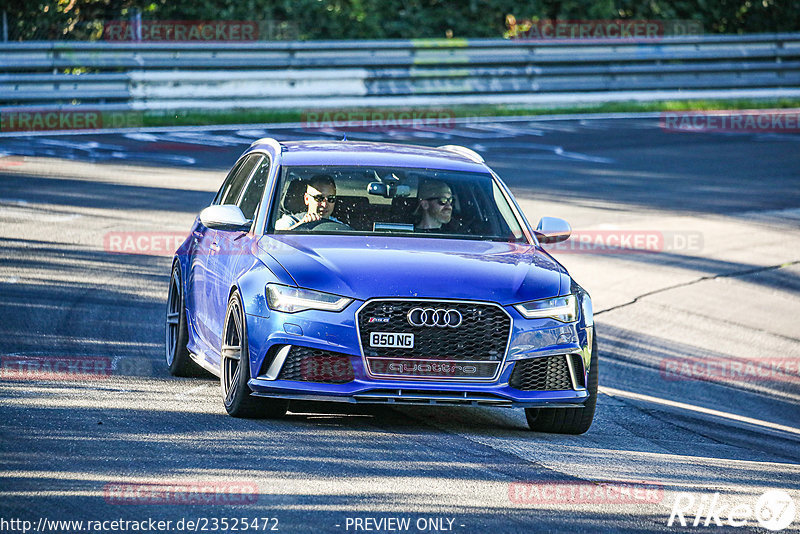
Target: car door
{"x": 202, "y": 237}
{"x": 201, "y": 270}
{"x": 224, "y": 254}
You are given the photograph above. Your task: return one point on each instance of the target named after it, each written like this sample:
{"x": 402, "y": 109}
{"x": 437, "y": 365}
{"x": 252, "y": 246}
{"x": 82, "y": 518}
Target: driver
{"x": 320, "y": 199}
{"x": 435, "y": 205}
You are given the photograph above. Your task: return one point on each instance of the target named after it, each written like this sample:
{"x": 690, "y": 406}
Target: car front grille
{"x": 304, "y": 364}
{"x": 550, "y": 373}
{"x": 473, "y": 350}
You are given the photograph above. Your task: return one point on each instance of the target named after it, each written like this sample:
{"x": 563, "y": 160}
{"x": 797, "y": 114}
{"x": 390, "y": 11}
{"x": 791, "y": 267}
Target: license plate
{"x": 391, "y": 340}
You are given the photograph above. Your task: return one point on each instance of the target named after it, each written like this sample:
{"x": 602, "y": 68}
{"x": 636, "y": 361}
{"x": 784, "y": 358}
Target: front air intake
{"x": 550, "y": 373}
{"x": 304, "y": 364}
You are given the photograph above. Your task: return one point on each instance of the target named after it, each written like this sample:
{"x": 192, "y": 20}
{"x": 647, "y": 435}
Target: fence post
{"x": 5, "y": 26}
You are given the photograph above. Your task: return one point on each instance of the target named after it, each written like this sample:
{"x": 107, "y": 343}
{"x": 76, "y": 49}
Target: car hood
{"x": 368, "y": 267}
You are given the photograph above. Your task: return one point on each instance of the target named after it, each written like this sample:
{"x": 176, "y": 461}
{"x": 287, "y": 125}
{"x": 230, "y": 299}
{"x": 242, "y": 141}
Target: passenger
{"x": 320, "y": 199}
{"x": 435, "y": 209}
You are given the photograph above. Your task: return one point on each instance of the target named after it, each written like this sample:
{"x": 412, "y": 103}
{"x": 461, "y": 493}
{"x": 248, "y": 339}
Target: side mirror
{"x": 553, "y": 230}
{"x": 225, "y": 217}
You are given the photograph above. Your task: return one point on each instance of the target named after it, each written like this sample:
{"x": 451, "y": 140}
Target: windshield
{"x": 392, "y": 201}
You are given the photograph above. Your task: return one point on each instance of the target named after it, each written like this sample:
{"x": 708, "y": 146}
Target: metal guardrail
{"x": 322, "y": 74}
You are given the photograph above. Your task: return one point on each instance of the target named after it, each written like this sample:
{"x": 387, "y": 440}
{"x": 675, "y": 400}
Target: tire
{"x": 176, "y": 330}
{"x": 568, "y": 420}
{"x": 235, "y": 369}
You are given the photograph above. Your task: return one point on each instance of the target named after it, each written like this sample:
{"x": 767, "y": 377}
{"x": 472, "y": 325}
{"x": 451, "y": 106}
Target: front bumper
{"x": 336, "y": 332}
{"x": 370, "y": 391}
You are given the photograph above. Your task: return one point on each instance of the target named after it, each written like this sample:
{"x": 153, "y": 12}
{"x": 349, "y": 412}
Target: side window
{"x": 227, "y": 183}
{"x": 254, "y": 190}
{"x": 508, "y": 217}
{"x": 231, "y": 194}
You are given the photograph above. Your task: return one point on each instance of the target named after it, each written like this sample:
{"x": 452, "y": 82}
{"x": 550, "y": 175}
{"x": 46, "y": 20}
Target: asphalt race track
{"x": 720, "y": 285}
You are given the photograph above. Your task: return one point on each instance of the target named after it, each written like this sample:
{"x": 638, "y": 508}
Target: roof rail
{"x": 464, "y": 151}
{"x": 268, "y": 141}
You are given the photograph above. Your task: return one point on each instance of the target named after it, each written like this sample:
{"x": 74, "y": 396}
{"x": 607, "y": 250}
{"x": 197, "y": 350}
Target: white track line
{"x": 698, "y": 409}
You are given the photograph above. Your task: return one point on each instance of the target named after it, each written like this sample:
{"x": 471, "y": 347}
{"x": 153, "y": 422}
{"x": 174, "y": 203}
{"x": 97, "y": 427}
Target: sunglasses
{"x": 443, "y": 201}
{"x": 320, "y": 198}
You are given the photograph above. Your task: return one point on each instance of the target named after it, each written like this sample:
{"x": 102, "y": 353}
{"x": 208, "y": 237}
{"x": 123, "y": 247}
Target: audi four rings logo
{"x": 434, "y": 317}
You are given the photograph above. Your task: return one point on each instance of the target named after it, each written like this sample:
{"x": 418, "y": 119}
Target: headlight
{"x": 293, "y": 299}
{"x": 563, "y": 309}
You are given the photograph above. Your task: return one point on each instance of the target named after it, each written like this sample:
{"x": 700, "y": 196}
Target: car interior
{"x": 377, "y": 200}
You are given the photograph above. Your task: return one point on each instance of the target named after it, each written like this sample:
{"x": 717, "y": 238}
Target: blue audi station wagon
{"x": 379, "y": 273}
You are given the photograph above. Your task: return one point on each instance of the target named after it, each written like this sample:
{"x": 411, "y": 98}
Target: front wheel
{"x": 235, "y": 369}
{"x": 568, "y": 420}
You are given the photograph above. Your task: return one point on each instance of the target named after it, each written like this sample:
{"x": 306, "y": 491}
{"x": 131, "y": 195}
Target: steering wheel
{"x": 324, "y": 225}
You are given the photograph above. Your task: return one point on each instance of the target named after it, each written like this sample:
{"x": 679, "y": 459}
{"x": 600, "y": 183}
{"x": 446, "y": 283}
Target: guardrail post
{"x": 136, "y": 21}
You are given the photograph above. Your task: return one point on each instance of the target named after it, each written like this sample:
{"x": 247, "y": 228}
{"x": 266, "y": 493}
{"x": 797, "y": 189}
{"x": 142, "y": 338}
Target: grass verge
{"x": 267, "y": 116}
